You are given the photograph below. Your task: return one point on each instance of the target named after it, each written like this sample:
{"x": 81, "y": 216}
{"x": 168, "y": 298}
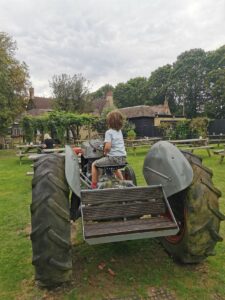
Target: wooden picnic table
{"x": 54, "y": 150}
{"x": 134, "y": 144}
{"x": 221, "y": 153}
{"x": 193, "y": 142}
{"x": 25, "y": 150}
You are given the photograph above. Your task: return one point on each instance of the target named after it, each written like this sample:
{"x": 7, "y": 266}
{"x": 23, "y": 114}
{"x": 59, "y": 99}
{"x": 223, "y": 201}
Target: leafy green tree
{"x": 133, "y": 92}
{"x": 70, "y": 93}
{"x": 216, "y": 58}
{"x": 13, "y": 83}
{"x": 215, "y": 79}
{"x": 159, "y": 85}
{"x": 188, "y": 81}
{"x": 215, "y": 106}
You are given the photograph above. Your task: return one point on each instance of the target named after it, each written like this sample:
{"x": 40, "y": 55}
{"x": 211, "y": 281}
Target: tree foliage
{"x": 13, "y": 83}
{"x": 70, "y": 92}
{"x": 188, "y": 81}
{"x": 193, "y": 85}
{"x": 158, "y": 85}
{"x": 133, "y": 92}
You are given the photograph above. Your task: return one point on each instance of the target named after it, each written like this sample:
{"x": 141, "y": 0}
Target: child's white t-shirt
{"x": 116, "y": 139}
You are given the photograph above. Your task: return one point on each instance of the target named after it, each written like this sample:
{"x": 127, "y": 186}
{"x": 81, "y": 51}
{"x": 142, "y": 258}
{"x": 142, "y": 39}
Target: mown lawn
{"x": 139, "y": 267}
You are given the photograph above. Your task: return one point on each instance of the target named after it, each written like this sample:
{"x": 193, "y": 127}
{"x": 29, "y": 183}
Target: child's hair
{"x": 114, "y": 120}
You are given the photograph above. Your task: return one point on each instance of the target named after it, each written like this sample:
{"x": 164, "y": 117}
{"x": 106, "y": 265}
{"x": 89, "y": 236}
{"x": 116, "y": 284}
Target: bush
{"x": 131, "y": 134}
{"x": 199, "y": 127}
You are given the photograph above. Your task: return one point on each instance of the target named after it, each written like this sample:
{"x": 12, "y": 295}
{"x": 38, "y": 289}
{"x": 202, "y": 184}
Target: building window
{"x": 17, "y": 132}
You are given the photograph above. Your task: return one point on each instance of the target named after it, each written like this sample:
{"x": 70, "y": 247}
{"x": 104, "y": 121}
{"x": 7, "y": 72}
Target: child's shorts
{"x": 110, "y": 161}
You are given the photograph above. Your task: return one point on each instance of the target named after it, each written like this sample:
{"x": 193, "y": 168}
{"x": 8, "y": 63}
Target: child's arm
{"x": 107, "y": 142}
{"x": 107, "y": 147}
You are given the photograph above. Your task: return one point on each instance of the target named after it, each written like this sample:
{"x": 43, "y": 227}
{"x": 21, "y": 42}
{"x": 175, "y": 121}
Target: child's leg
{"x": 94, "y": 175}
{"x": 119, "y": 174}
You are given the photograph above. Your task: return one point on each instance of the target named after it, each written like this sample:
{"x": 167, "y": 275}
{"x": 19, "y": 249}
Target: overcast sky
{"x": 108, "y": 41}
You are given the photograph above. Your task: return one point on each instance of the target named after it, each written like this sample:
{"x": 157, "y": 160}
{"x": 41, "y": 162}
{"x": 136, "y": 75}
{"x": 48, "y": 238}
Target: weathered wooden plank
{"x": 130, "y": 226}
{"x": 123, "y": 210}
{"x": 95, "y": 197}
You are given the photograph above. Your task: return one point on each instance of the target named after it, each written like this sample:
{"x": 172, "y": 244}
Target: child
{"x": 48, "y": 141}
{"x": 114, "y": 149}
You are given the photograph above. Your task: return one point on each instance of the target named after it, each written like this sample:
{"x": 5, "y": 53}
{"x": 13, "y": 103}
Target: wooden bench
{"x": 134, "y": 144}
{"x": 217, "y": 141}
{"x": 222, "y": 154}
{"x": 111, "y": 215}
{"x": 207, "y": 148}
{"x": 22, "y": 155}
{"x": 218, "y": 151}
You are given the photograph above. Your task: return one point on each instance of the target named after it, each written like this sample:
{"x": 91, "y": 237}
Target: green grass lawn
{"x": 139, "y": 266}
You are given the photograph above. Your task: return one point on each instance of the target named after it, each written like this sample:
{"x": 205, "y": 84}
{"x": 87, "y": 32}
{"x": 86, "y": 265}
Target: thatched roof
{"x": 146, "y": 111}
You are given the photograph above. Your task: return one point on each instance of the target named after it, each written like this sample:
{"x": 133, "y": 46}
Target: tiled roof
{"x": 42, "y": 103}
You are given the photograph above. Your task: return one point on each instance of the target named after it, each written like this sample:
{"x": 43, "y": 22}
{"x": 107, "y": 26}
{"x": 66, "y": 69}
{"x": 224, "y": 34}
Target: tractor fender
{"x": 166, "y": 165}
{"x": 72, "y": 170}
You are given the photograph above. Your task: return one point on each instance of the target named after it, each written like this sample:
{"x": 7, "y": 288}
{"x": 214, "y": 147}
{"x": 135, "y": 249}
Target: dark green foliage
{"x": 215, "y": 106}
{"x": 133, "y": 92}
{"x": 28, "y": 128}
{"x": 188, "y": 79}
{"x": 159, "y": 86}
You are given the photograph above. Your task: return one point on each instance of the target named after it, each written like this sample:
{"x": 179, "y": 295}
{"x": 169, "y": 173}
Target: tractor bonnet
{"x": 166, "y": 165}
{"x": 92, "y": 149}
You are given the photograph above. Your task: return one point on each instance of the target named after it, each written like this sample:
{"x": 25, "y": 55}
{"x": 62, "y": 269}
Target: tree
{"x": 215, "y": 84}
{"x": 159, "y": 86}
{"x": 70, "y": 93}
{"x": 188, "y": 81}
{"x": 215, "y": 107}
{"x": 13, "y": 83}
{"x": 133, "y": 92}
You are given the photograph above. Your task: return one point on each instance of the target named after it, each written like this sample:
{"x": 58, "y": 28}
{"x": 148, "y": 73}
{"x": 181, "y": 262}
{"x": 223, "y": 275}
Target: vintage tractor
{"x": 179, "y": 205}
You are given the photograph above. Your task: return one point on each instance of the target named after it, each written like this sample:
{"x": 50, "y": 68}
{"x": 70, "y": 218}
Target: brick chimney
{"x": 109, "y": 99}
{"x": 166, "y": 107}
{"x": 31, "y": 91}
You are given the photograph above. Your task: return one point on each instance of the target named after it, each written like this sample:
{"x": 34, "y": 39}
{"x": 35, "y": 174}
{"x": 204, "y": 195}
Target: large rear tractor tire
{"x": 196, "y": 210}
{"x": 50, "y": 220}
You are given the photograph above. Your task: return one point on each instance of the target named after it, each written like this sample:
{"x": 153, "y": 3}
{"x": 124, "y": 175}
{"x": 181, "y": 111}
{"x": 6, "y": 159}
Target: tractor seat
{"x": 113, "y": 167}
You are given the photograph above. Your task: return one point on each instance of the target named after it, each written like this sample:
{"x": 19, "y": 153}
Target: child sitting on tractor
{"x": 114, "y": 149}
